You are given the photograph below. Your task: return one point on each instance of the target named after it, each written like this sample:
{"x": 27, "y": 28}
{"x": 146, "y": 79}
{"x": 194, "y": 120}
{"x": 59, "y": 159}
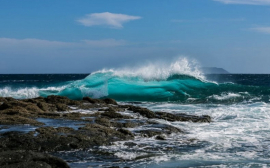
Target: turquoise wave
{"x": 174, "y": 88}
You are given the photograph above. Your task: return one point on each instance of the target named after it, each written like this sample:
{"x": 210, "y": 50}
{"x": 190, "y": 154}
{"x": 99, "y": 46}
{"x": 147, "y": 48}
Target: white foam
{"x": 23, "y": 93}
{"x": 160, "y": 71}
{"x": 225, "y": 96}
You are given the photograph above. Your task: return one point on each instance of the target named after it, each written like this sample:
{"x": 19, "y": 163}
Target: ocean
{"x": 239, "y": 105}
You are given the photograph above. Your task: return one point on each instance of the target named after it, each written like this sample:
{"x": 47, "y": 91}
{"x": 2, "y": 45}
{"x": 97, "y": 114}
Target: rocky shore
{"x": 97, "y": 122}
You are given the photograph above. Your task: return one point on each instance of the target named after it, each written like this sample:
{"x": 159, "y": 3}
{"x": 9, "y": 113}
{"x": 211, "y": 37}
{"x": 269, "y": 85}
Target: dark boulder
{"x": 183, "y": 117}
{"x": 93, "y": 101}
{"x": 142, "y": 111}
{"x": 28, "y": 159}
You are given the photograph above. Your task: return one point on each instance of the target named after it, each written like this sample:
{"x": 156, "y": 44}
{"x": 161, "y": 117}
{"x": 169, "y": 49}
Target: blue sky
{"x": 67, "y": 36}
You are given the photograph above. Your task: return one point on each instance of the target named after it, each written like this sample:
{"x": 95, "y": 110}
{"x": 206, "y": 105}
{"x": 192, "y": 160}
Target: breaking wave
{"x": 180, "y": 81}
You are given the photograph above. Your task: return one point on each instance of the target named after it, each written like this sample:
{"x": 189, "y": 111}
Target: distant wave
{"x": 180, "y": 81}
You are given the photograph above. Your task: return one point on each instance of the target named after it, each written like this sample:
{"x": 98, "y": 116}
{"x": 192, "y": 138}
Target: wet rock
{"x": 120, "y": 124}
{"x": 160, "y": 137}
{"x": 110, "y": 101}
{"x": 15, "y": 111}
{"x": 61, "y": 139}
{"x": 32, "y": 108}
{"x": 62, "y": 107}
{"x": 150, "y": 133}
{"x": 59, "y": 99}
{"x": 159, "y": 129}
{"x": 130, "y": 144}
{"x": 90, "y": 100}
{"x": 2, "y": 100}
{"x": 52, "y": 130}
{"x": 15, "y": 103}
{"x": 103, "y": 121}
{"x": 126, "y": 132}
{"x": 27, "y": 159}
{"x": 18, "y": 120}
{"x": 142, "y": 111}
{"x": 182, "y": 117}
{"x": 112, "y": 115}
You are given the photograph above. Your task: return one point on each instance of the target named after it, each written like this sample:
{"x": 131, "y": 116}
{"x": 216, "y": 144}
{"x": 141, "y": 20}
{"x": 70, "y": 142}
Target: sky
{"x": 68, "y": 36}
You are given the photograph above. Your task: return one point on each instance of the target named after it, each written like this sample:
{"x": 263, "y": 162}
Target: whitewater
{"x": 238, "y": 104}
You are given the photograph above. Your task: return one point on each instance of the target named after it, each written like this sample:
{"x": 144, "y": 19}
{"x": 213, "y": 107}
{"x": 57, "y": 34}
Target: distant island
{"x": 214, "y": 70}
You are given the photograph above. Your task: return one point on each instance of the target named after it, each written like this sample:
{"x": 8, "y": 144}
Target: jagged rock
{"x": 61, "y": 107}
{"x": 126, "y": 132}
{"x": 58, "y": 99}
{"x": 27, "y": 159}
{"x": 103, "y": 121}
{"x": 161, "y": 137}
{"x": 90, "y": 100}
{"x": 182, "y": 117}
{"x": 15, "y": 120}
{"x": 142, "y": 111}
{"x": 15, "y": 111}
{"x": 110, "y": 101}
{"x": 51, "y": 139}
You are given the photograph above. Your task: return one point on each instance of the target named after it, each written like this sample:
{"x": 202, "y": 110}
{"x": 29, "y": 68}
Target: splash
{"x": 159, "y": 71}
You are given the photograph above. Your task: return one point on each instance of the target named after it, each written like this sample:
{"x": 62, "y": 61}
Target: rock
{"x": 121, "y": 124}
{"x": 15, "y": 120}
{"x": 61, "y": 107}
{"x": 57, "y": 99}
{"x": 159, "y": 129}
{"x": 112, "y": 115}
{"x": 142, "y": 111}
{"x": 130, "y": 144}
{"x": 15, "y": 111}
{"x": 126, "y": 132}
{"x": 160, "y": 137}
{"x": 182, "y": 117}
{"x": 110, "y": 101}
{"x": 51, "y": 139}
{"x": 150, "y": 133}
{"x": 2, "y": 100}
{"x": 15, "y": 103}
{"x": 32, "y": 108}
{"x": 103, "y": 121}
{"x": 27, "y": 159}
{"x": 43, "y": 106}
{"x": 90, "y": 100}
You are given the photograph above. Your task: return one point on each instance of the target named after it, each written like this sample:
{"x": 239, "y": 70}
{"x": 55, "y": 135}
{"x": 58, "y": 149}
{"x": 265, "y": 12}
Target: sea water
{"x": 239, "y": 135}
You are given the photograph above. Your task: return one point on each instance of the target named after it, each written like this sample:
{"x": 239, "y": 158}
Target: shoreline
{"x": 58, "y": 124}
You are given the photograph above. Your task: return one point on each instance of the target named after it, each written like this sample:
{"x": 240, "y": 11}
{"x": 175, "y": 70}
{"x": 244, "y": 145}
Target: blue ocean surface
{"x": 239, "y": 135}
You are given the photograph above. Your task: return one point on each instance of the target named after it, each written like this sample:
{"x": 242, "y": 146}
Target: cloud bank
{"x": 248, "y": 2}
{"x": 112, "y": 20}
{"x": 265, "y": 30}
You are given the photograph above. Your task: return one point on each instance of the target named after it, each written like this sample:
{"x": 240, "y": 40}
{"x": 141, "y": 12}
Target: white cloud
{"x": 109, "y": 19}
{"x": 265, "y": 30}
{"x": 248, "y": 2}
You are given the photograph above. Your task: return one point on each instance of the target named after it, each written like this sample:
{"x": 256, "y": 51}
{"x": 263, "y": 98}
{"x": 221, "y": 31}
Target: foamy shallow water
{"x": 237, "y": 137}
